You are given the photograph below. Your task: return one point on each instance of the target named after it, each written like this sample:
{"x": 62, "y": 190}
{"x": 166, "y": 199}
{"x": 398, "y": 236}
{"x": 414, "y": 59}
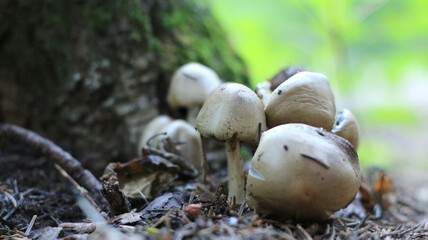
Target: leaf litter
{"x": 164, "y": 202}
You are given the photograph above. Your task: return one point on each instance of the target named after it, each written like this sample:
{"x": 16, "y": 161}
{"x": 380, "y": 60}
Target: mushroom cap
{"x": 190, "y": 141}
{"x": 302, "y": 172}
{"x": 191, "y": 85}
{"x": 263, "y": 91}
{"x": 347, "y": 127}
{"x": 232, "y": 110}
{"x": 306, "y": 98}
{"x": 285, "y": 74}
{"x": 153, "y": 128}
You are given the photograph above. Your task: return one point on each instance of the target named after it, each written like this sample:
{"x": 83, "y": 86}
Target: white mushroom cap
{"x": 306, "y": 97}
{"x": 191, "y": 85}
{"x": 347, "y": 127}
{"x": 153, "y": 128}
{"x": 232, "y": 109}
{"x": 189, "y": 140}
{"x": 302, "y": 172}
{"x": 264, "y": 92}
{"x": 233, "y": 113}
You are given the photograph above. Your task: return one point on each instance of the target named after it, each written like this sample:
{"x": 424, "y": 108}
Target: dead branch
{"x": 13, "y": 133}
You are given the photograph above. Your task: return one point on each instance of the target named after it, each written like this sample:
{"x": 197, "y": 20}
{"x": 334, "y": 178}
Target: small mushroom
{"x": 302, "y": 172}
{"x": 190, "y": 86}
{"x": 285, "y": 74}
{"x": 153, "y": 128}
{"x": 347, "y": 127}
{"x": 233, "y": 113}
{"x": 304, "y": 98}
{"x": 175, "y": 136}
{"x": 183, "y": 139}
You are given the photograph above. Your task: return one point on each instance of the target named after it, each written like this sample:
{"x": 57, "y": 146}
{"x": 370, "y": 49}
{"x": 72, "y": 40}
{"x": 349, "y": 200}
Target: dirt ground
{"x": 37, "y": 202}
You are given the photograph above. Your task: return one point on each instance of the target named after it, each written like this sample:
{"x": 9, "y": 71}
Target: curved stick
{"x": 84, "y": 177}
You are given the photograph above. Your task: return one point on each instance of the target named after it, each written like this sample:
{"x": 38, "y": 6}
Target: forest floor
{"x": 38, "y": 202}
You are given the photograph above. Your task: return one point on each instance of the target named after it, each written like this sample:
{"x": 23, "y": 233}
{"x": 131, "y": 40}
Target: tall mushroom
{"x": 306, "y": 98}
{"x": 302, "y": 172}
{"x": 233, "y": 113}
{"x": 190, "y": 86}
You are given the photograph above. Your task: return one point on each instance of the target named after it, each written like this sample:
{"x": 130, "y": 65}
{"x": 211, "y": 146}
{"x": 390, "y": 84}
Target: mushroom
{"x": 175, "y": 136}
{"x": 302, "y": 172}
{"x": 233, "y": 113}
{"x": 304, "y": 98}
{"x": 285, "y": 74}
{"x": 186, "y": 142}
{"x": 190, "y": 86}
{"x": 152, "y": 129}
{"x": 347, "y": 127}
{"x": 263, "y": 91}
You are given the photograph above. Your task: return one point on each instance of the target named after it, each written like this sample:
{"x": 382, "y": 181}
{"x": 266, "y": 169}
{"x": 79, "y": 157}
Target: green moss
{"x": 198, "y": 37}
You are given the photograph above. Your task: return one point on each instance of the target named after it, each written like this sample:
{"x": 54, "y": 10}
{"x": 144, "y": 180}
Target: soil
{"x": 185, "y": 209}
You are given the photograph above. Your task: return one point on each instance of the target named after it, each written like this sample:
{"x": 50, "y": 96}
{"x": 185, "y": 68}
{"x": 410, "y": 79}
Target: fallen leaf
{"x": 148, "y": 175}
{"x": 386, "y": 190}
{"x": 128, "y": 218}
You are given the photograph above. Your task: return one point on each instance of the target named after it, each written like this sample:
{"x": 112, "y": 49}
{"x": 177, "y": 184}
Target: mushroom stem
{"x": 235, "y": 171}
{"x": 192, "y": 114}
{"x": 204, "y": 161}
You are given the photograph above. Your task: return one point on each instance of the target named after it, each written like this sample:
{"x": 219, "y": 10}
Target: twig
{"x": 192, "y": 195}
{"x": 399, "y": 232}
{"x": 241, "y": 209}
{"x": 13, "y": 209}
{"x": 12, "y": 199}
{"x": 333, "y": 233}
{"x": 162, "y": 219}
{"x": 303, "y": 232}
{"x": 80, "y": 227}
{"x": 30, "y": 226}
{"x": 143, "y": 196}
{"x": 82, "y": 190}
{"x": 10, "y": 132}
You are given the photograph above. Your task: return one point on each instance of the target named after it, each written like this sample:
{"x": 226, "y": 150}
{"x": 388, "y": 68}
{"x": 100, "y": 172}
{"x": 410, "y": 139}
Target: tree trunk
{"x": 89, "y": 74}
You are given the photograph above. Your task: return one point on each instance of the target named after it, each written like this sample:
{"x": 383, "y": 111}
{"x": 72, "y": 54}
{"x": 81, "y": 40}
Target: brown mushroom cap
{"x": 302, "y": 172}
{"x": 347, "y": 127}
{"x": 306, "y": 97}
{"x": 232, "y": 109}
{"x": 285, "y": 74}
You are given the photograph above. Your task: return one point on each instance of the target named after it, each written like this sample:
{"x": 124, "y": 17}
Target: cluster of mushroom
{"x": 300, "y": 168}
{"x": 190, "y": 86}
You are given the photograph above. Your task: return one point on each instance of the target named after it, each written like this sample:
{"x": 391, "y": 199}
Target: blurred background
{"x": 375, "y": 53}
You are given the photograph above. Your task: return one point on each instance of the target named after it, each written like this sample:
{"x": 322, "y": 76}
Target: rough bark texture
{"x": 88, "y": 74}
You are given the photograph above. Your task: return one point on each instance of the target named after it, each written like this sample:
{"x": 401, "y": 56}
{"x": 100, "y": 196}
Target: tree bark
{"x": 89, "y": 74}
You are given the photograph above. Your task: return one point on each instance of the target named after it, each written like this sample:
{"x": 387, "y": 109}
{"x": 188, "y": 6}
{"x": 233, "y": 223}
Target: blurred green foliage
{"x": 371, "y": 50}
